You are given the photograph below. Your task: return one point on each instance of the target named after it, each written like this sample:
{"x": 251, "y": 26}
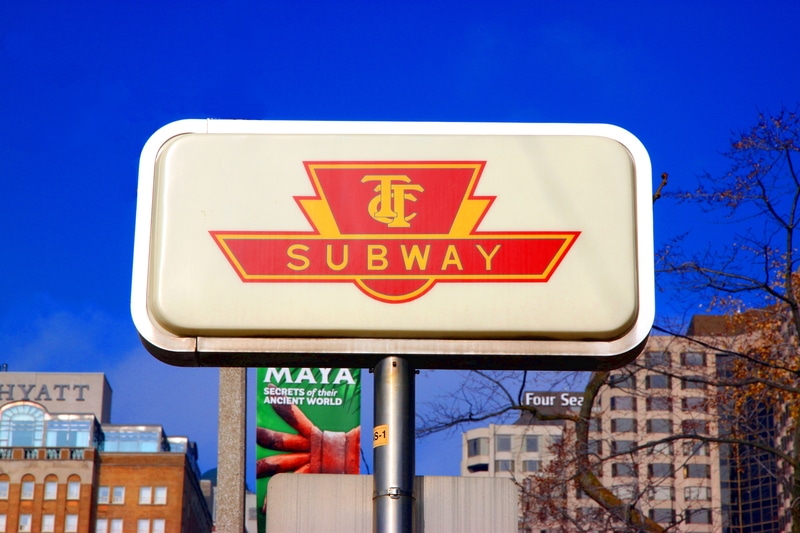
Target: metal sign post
{"x": 393, "y": 446}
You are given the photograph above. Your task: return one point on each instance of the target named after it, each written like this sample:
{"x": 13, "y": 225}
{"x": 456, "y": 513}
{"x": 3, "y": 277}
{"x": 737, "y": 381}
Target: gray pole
{"x": 232, "y": 445}
{"x": 393, "y": 447}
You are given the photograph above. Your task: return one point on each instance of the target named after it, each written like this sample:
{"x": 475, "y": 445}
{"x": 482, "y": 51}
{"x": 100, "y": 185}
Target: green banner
{"x": 308, "y": 420}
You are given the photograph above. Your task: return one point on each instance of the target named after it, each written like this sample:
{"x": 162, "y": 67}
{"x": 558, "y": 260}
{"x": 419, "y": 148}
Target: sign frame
{"x": 434, "y": 353}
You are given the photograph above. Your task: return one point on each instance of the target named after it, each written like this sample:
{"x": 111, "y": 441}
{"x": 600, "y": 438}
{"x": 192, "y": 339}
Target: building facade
{"x": 645, "y": 440}
{"x": 65, "y": 468}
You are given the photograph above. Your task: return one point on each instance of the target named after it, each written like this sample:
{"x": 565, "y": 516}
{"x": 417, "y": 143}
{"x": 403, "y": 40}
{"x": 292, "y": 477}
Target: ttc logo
{"x": 394, "y": 229}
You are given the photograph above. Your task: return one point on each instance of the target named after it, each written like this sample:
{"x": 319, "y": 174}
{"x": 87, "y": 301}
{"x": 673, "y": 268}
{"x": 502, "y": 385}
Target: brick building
{"x": 65, "y": 468}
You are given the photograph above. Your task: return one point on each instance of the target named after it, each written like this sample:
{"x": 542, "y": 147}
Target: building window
{"x": 27, "y": 490}
{"x": 479, "y": 446}
{"x": 101, "y": 525}
{"x": 531, "y": 443}
{"x": 25, "y": 521}
{"x": 623, "y": 470}
{"x": 556, "y": 440}
{"x": 698, "y": 516}
{"x": 48, "y": 523}
{"x": 653, "y": 359}
{"x": 531, "y": 465}
{"x": 657, "y": 381}
{"x": 623, "y": 403}
{"x": 659, "y": 470}
{"x": 103, "y": 494}
{"x": 595, "y": 424}
{"x": 116, "y": 525}
{"x": 595, "y": 447}
{"x": 118, "y": 496}
{"x": 69, "y": 433}
{"x": 74, "y": 490}
{"x": 693, "y": 359}
{"x": 662, "y": 516}
{"x": 696, "y": 448}
{"x": 697, "y": 493}
{"x": 504, "y": 465}
{"x": 625, "y": 492}
{"x": 697, "y": 471}
{"x": 145, "y": 495}
{"x": 659, "y": 425}
{"x": 623, "y": 425}
{"x": 663, "y": 448}
{"x": 50, "y": 490}
{"x": 693, "y": 383}
{"x": 3, "y": 490}
{"x": 623, "y": 446}
{"x": 143, "y": 526}
{"x": 659, "y": 403}
{"x": 159, "y": 526}
{"x": 662, "y": 493}
{"x": 625, "y": 381}
{"x": 502, "y": 443}
{"x": 2, "y": 523}
{"x": 22, "y": 425}
{"x": 695, "y": 427}
{"x": 71, "y": 523}
{"x": 694, "y": 404}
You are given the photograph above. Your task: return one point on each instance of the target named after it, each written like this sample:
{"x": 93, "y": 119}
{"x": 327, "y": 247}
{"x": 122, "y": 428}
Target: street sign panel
{"x": 264, "y": 243}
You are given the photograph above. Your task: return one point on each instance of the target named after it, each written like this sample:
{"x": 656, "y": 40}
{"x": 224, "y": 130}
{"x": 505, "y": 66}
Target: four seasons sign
{"x": 470, "y": 245}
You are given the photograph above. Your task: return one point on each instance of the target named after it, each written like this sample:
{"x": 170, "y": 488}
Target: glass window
{"x": 502, "y": 443}
{"x": 698, "y": 516}
{"x": 3, "y": 490}
{"x": 479, "y": 446}
{"x": 103, "y": 494}
{"x": 50, "y": 490}
{"x": 657, "y": 381}
{"x": 659, "y": 470}
{"x": 696, "y": 448}
{"x": 504, "y": 465}
{"x": 25, "y": 521}
{"x": 659, "y": 425}
{"x": 101, "y": 526}
{"x": 623, "y": 403}
{"x": 623, "y": 470}
{"x": 74, "y": 490}
{"x": 625, "y": 381}
{"x": 143, "y": 526}
{"x": 595, "y": 446}
{"x": 71, "y": 523}
{"x": 69, "y": 433}
{"x": 697, "y": 493}
{"x": 118, "y": 495}
{"x": 623, "y": 446}
{"x": 556, "y": 440}
{"x": 692, "y": 383}
{"x": 662, "y": 516}
{"x": 116, "y": 525}
{"x": 662, "y": 493}
{"x": 663, "y": 448}
{"x": 623, "y": 425}
{"x": 595, "y": 424}
{"x": 659, "y": 403}
{"x": 695, "y": 427}
{"x": 2, "y": 523}
{"x": 145, "y": 495}
{"x": 531, "y": 443}
{"x": 697, "y": 471}
{"x": 22, "y": 426}
{"x": 48, "y": 523}
{"x": 531, "y": 466}
{"x": 134, "y": 441}
{"x": 653, "y": 359}
{"x": 159, "y": 525}
{"x": 693, "y": 359}
{"x": 625, "y": 492}
{"x": 694, "y": 404}
{"x": 27, "y": 490}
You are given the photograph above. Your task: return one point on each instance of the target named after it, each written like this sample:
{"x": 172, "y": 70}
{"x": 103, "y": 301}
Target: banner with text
{"x": 307, "y": 421}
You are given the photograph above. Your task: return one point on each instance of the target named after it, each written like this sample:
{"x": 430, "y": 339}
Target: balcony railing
{"x": 48, "y": 454}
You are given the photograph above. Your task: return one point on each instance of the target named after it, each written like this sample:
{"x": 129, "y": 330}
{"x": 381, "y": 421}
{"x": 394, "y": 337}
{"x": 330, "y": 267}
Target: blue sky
{"x": 84, "y": 84}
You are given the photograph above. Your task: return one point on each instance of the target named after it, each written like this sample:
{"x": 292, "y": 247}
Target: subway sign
{"x": 456, "y": 245}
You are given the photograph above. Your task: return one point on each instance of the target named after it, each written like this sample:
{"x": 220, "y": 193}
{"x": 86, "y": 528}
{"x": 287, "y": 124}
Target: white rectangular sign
{"x": 459, "y": 245}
